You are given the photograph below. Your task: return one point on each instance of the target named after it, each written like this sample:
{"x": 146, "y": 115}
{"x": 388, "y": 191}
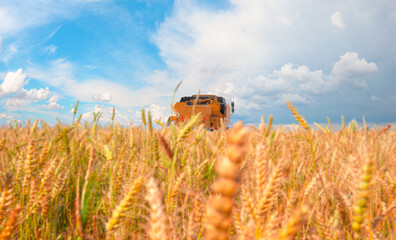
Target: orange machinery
{"x": 212, "y": 108}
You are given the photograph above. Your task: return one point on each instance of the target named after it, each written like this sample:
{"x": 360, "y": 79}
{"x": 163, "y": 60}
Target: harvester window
{"x": 186, "y": 99}
{"x": 221, "y": 100}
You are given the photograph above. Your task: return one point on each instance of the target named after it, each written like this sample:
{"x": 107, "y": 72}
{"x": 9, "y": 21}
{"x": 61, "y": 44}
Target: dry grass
{"x": 96, "y": 182}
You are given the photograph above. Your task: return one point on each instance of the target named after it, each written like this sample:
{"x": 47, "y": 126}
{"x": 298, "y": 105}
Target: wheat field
{"x": 87, "y": 181}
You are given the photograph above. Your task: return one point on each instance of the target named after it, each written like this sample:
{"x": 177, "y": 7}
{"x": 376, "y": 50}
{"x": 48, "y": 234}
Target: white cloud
{"x": 352, "y": 70}
{"x": 301, "y": 73}
{"x": 5, "y": 116}
{"x": 351, "y": 65}
{"x": 298, "y": 84}
{"x": 13, "y": 88}
{"x": 36, "y": 95}
{"x": 158, "y": 112}
{"x": 54, "y": 98}
{"x": 375, "y": 98}
{"x": 308, "y": 81}
{"x": 52, "y": 106}
{"x": 52, "y": 103}
{"x": 104, "y": 97}
{"x": 50, "y": 49}
{"x": 349, "y": 71}
{"x": 337, "y": 20}
{"x": 25, "y": 97}
{"x": 13, "y": 82}
{"x": 107, "y": 113}
{"x": 194, "y": 37}
{"x": 16, "y": 102}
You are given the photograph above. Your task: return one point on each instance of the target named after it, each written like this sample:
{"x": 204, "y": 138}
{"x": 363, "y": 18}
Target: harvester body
{"x": 213, "y": 109}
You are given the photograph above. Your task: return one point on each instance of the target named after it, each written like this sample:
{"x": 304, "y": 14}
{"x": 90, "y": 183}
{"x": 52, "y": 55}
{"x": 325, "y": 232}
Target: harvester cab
{"x": 213, "y": 109}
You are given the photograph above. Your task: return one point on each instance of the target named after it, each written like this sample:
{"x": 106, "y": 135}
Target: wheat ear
{"x": 299, "y": 219}
{"x": 6, "y": 196}
{"x": 165, "y": 145}
{"x": 159, "y": 229}
{"x": 185, "y": 131}
{"x": 124, "y": 206}
{"x": 297, "y": 116}
{"x": 391, "y": 207}
{"x": 11, "y": 223}
{"x": 270, "y": 191}
{"x": 225, "y": 187}
{"x": 360, "y": 208}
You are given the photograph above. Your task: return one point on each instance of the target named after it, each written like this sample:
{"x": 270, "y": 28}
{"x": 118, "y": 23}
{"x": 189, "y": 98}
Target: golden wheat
{"x": 84, "y": 181}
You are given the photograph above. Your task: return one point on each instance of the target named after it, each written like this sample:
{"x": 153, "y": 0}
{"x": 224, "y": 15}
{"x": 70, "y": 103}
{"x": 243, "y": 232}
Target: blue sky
{"x": 330, "y": 58}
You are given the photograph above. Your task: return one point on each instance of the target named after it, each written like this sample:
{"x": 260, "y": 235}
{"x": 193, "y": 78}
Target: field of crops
{"x": 85, "y": 181}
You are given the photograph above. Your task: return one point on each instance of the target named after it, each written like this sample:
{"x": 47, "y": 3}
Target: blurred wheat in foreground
{"x": 112, "y": 182}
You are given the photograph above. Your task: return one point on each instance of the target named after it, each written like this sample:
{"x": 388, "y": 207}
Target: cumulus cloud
{"x": 25, "y": 97}
{"x": 52, "y": 103}
{"x": 351, "y": 70}
{"x": 348, "y": 71}
{"x": 309, "y": 81}
{"x": 52, "y": 106}
{"x": 13, "y": 88}
{"x": 296, "y": 83}
{"x": 107, "y": 113}
{"x": 104, "y": 97}
{"x": 350, "y": 65}
{"x": 13, "y": 82}
{"x": 37, "y": 95}
{"x": 54, "y": 98}
{"x": 337, "y": 20}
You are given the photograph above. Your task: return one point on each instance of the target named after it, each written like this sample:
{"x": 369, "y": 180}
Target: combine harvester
{"x": 212, "y": 108}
